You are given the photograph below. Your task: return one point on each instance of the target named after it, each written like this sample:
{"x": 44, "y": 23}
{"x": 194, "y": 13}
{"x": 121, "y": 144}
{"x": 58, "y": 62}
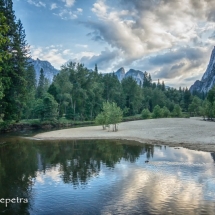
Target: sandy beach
{"x": 192, "y": 133}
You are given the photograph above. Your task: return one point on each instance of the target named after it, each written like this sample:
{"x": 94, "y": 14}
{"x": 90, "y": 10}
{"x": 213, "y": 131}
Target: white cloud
{"x": 53, "y": 54}
{"x": 53, "y": 6}
{"x": 66, "y": 52}
{"x": 36, "y": 52}
{"x": 106, "y": 60}
{"x": 136, "y": 31}
{"x": 81, "y": 46}
{"x": 100, "y": 8}
{"x": 57, "y": 55}
{"x": 42, "y": 4}
{"x": 79, "y": 56}
{"x": 79, "y": 10}
{"x": 142, "y": 29}
{"x": 65, "y": 14}
{"x": 37, "y": 4}
{"x": 69, "y": 3}
{"x": 68, "y": 14}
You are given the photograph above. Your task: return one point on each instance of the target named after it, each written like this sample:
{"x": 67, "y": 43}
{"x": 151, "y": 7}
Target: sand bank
{"x": 193, "y": 133}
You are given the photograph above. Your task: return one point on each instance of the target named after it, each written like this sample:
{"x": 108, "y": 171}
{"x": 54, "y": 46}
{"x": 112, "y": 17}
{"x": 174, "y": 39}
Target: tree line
{"x": 78, "y": 93}
{"x": 15, "y": 78}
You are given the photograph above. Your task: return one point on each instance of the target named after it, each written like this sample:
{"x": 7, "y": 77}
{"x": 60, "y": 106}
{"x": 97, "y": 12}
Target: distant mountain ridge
{"x": 208, "y": 79}
{"x": 120, "y": 73}
{"x": 137, "y": 75}
{"x": 49, "y": 70}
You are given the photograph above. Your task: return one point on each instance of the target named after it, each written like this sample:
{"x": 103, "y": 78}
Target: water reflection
{"x": 18, "y": 167}
{"x": 105, "y": 177}
{"x": 79, "y": 161}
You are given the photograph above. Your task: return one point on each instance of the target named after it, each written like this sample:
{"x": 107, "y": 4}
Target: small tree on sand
{"x": 101, "y": 120}
{"x": 166, "y": 112}
{"x": 177, "y": 111}
{"x": 112, "y": 114}
{"x": 146, "y": 113}
{"x": 157, "y": 112}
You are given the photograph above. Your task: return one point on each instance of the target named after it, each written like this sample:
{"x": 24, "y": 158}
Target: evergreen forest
{"x": 78, "y": 93}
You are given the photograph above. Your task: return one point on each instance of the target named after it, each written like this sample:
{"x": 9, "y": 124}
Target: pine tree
{"x": 96, "y": 68}
{"x": 41, "y": 85}
{"x": 14, "y": 69}
{"x": 150, "y": 80}
{"x": 163, "y": 86}
{"x": 31, "y": 78}
{"x": 147, "y": 81}
{"x": 154, "y": 85}
{"x": 187, "y": 99}
{"x": 211, "y": 95}
{"x": 31, "y": 86}
{"x": 158, "y": 84}
{"x": 4, "y": 55}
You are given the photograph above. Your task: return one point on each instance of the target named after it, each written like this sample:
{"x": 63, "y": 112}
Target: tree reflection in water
{"x": 80, "y": 160}
{"x": 18, "y": 165}
{"x": 20, "y": 160}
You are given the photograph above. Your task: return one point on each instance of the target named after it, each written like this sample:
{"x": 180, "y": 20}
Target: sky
{"x": 172, "y": 40}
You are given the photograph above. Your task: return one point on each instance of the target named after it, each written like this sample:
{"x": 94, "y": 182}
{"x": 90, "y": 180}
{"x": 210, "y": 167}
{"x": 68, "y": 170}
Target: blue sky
{"x": 172, "y": 40}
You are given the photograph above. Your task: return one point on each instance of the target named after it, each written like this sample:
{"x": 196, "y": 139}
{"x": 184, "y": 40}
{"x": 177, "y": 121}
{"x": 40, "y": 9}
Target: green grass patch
{"x": 54, "y": 122}
{"x": 29, "y": 122}
{"x": 132, "y": 118}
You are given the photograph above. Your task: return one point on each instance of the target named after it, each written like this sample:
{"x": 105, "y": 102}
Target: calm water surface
{"x": 105, "y": 177}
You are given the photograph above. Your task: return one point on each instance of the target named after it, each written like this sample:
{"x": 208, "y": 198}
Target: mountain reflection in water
{"x": 105, "y": 177}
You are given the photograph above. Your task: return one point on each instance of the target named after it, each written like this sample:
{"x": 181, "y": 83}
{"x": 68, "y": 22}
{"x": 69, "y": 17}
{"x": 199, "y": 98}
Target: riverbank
{"x": 192, "y": 133}
{"x": 37, "y": 124}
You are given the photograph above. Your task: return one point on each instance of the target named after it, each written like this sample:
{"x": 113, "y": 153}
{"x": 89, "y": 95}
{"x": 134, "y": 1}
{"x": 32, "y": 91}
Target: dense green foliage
{"x": 14, "y": 65}
{"x": 207, "y": 109}
{"x": 4, "y": 55}
{"x": 111, "y": 114}
{"x": 157, "y": 112}
{"x": 78, "y": 93}
{"x": 165, "y": 112}
{"x": 101, "y": 120}
{"x": 146, "y": 113}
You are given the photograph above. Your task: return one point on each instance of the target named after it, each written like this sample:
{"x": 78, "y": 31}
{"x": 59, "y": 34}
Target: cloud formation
{"x": 66, "y": 14}
{"x": 53, "y": 6}
{"x": 37, "y": 3}
{"x": 173, "y": 39}
{"x": 54, "y": 54}
{"x": 106, "y": 59}
{"x": 58, "y": 55}
{"x": 69, "y": 3}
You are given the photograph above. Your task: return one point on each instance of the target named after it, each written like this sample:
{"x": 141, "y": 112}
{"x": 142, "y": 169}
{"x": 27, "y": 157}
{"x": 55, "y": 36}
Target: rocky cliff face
{"x": 49, "y": 70}
{"x": 208, "y": 79}
{"x": 137, "y": 75}
{"x": 120, "y": 73}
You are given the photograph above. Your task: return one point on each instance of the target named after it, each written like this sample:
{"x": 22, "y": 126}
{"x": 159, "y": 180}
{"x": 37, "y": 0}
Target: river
{"x": 103, "y": 177}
